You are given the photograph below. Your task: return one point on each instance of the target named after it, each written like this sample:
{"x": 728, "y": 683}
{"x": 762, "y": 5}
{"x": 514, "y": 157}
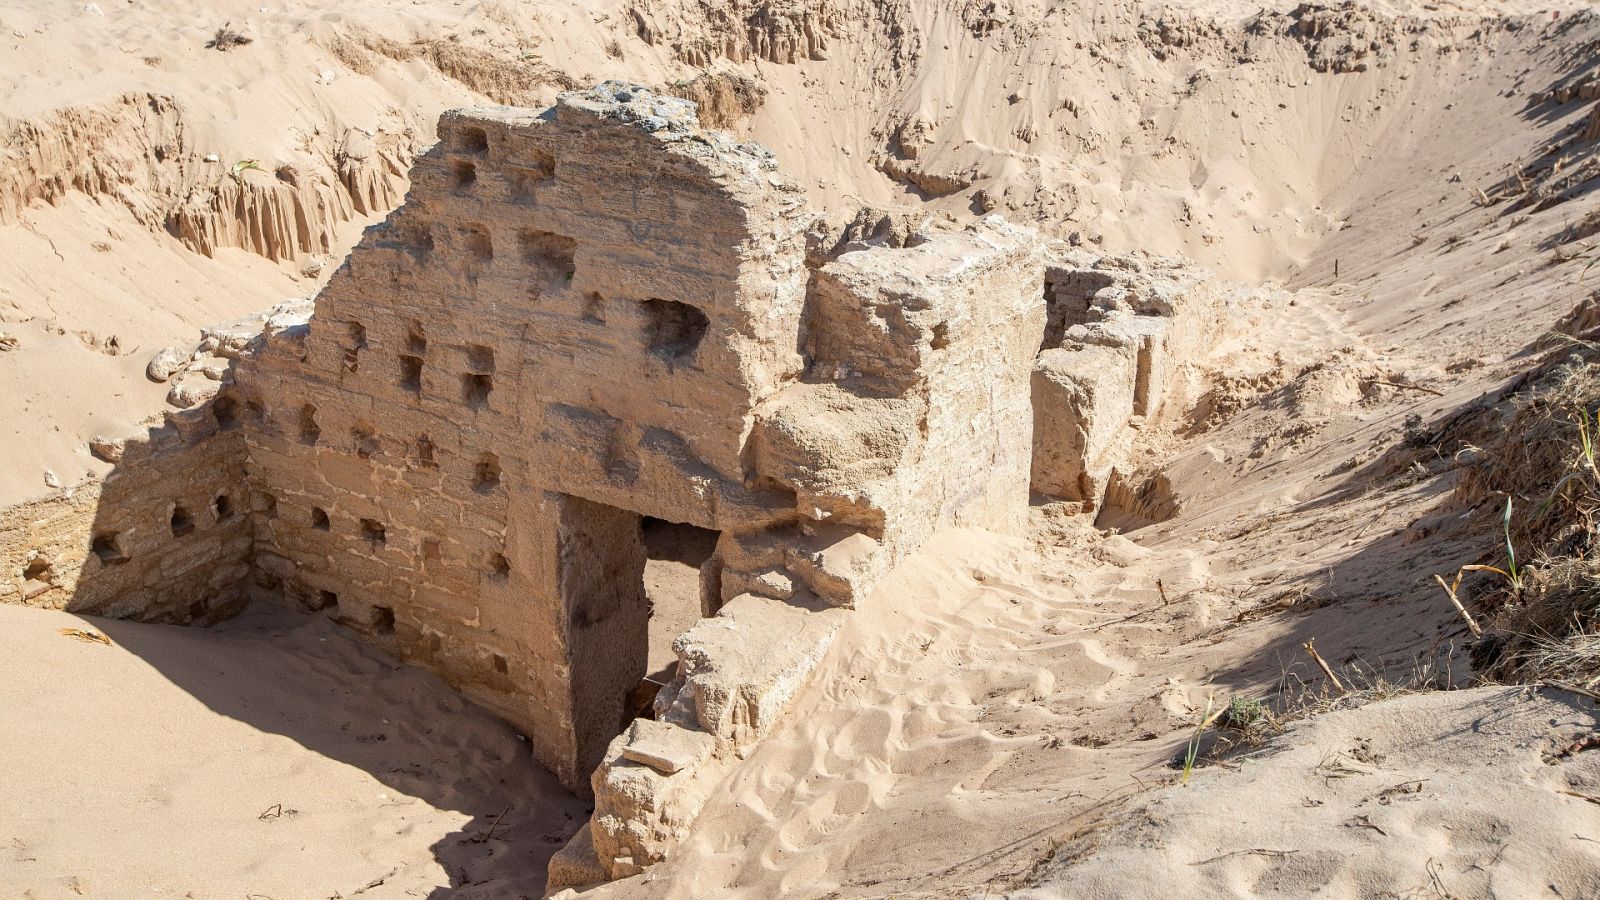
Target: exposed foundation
{"x": 1121, "y": 339}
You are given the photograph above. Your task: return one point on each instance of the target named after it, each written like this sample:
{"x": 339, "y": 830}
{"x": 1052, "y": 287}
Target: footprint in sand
{"x": 1089, "y": 668}
{"x": 869, "y": 733}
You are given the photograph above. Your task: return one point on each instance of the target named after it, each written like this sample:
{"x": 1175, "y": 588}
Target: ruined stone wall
{"x": 600, "y": 313}
{"x": 1118, "y": 354}
{"x": 969, "y": 300}
{"x": 569, "y": 325}
{"x": 164, "y": 537}
{"x": 581, "y": 318}
{"x": 915, "y": 392}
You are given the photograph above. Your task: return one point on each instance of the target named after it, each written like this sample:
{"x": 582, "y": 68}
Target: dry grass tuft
{"x": 1542, "y": 474}
{"x": 1246, "y": 724}
{"x": 226, "y": 39}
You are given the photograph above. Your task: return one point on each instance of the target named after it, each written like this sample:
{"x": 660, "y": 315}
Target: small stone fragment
{"x": 192, "y": 391}
{"x": 212, "y": 367}
{"x": 165, "y": 364}
{"x": 108, "y": 449}
{"x": 665, "y": 747}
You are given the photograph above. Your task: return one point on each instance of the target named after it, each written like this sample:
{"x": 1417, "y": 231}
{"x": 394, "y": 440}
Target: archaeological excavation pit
{"x": 617, "y": 499}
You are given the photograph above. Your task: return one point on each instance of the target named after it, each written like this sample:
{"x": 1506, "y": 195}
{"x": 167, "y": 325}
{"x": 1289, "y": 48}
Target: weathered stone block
{"x": 738, "y": 670}
{"x": 665, "y": 747}
{"x": 1082, "y": 401}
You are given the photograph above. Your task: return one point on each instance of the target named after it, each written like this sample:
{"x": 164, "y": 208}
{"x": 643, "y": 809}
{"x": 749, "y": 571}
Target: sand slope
{"x": 1460, "y": 794}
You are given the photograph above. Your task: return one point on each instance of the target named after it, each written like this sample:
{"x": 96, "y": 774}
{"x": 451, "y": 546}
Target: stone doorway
{"x": 631, "y": 584}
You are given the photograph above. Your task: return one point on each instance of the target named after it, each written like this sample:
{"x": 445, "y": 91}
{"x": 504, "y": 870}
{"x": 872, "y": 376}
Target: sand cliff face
{"x": 137, "y": 151}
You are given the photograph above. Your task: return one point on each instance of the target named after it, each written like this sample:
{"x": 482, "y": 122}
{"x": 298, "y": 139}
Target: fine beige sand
{"x": 1002, "y": 717}
{"x": 272, "y": 756}
{"x": 1459, "y": 794}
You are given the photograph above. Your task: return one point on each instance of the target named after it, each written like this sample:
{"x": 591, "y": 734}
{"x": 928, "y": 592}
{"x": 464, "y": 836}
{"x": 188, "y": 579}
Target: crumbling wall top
{"x": 670, "y": 120}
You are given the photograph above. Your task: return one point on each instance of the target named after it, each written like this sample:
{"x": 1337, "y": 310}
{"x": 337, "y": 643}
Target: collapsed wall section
{"x": 1118, "y": 356}
{"x": 904, "y": 421}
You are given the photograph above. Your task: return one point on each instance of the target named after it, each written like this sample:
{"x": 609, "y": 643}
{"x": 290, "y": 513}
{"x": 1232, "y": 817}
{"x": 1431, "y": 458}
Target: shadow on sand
{"x": 301, "y": 677}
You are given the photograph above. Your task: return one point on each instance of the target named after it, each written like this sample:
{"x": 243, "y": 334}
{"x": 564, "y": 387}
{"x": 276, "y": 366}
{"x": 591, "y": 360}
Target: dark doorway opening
{"x": 632, "y": 584}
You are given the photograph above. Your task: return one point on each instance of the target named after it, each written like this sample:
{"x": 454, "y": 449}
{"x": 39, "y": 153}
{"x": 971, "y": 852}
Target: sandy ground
{"x": 272, "y": 756}
{"x": 1004, "y": 714}
{"x": 1453, "y": 794}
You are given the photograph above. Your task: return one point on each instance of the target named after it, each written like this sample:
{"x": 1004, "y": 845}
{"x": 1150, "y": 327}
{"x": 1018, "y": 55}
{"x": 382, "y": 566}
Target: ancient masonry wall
{"x": 580, "y": 318}
{"x": 567, "y": 327}
{"x": 165, "y": 537}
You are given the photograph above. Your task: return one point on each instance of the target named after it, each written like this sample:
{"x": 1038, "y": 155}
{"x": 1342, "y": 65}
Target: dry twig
{"x": 1451, "y": 590}
{"x": 1326, "y": 669}
{"x": 91, "y": 637}
{"x": 1409, "y": 387}
{"x": 1253, "y": 851}
{"x": 1572, "y": 689}
{"x": 487, "y": 835}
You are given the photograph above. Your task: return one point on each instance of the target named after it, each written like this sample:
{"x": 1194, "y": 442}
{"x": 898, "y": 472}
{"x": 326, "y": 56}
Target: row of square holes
{"x": 107, "y": 546}
{"x": 475, "y": 384}
{"x": 486, "y": 471}
{"x": 376, "y": 533}
{"x": 675, "y": 331}
{"x": 472, "y": 140}
{"x": 382, "y": 622}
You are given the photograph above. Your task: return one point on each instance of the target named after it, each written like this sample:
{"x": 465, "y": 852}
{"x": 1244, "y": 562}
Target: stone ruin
{"x": 1121, "y": 336}
{"x": 582, "y": 323}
